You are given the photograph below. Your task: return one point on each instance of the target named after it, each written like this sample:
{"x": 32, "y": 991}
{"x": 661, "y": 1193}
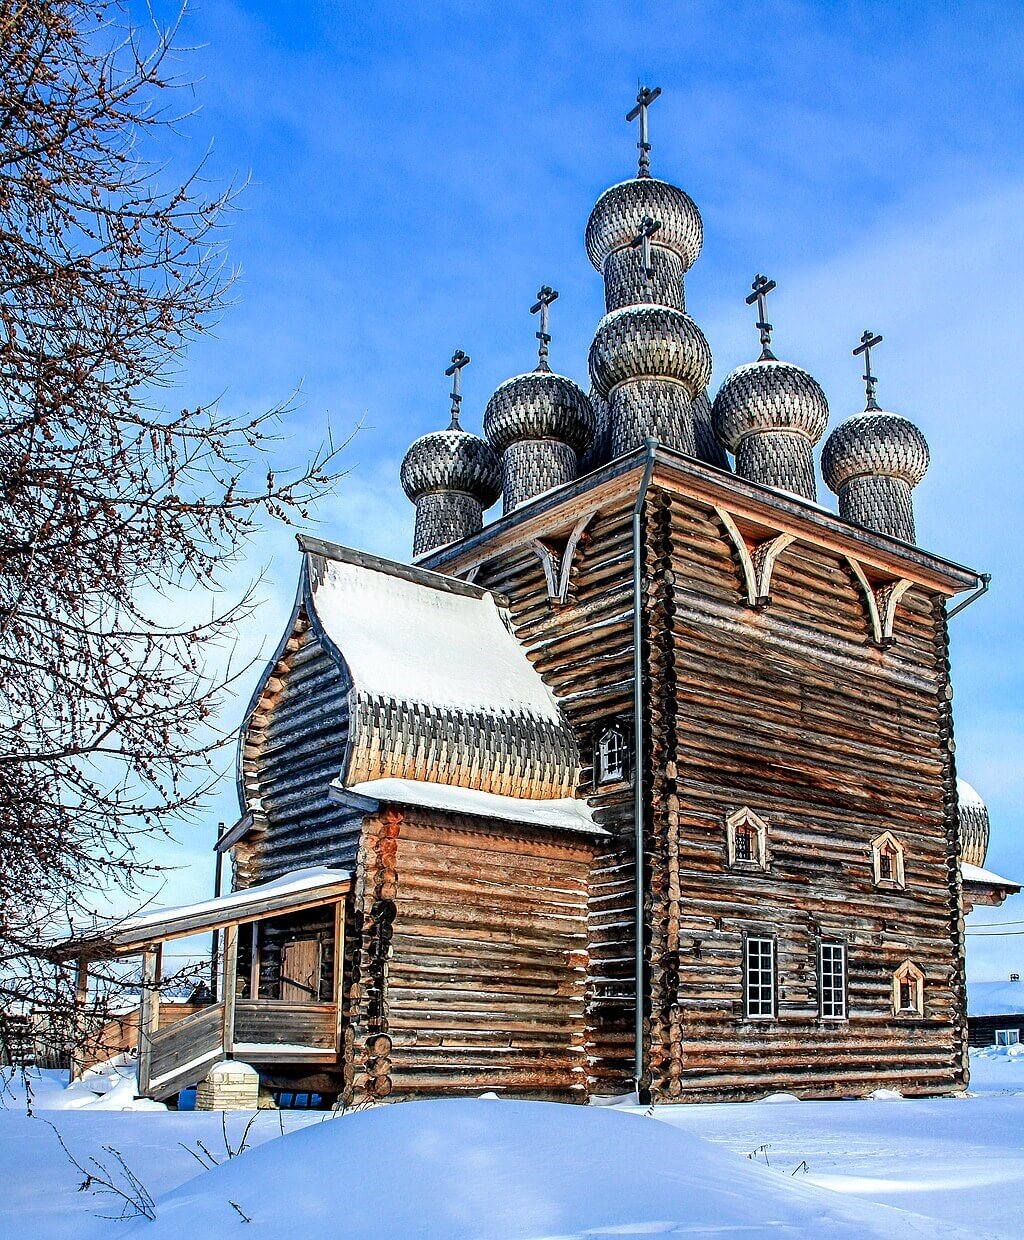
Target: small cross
{"x": 762, "y": 286}
{"x": 544, "y": 299}
{"x": 459, "y": 359}
{"x": 643, "y": 101}
{"x": 648, "y": 228}
{"x": 867, "y": 342}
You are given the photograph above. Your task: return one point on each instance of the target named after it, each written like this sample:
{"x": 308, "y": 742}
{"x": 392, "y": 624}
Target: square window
{"x": 759, "y": 979}
{"x": 1007, "y": 1037}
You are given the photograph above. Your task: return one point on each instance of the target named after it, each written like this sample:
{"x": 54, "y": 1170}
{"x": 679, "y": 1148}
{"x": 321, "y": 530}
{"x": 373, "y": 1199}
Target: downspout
{"x": 984, "y": 580}
{"x": 638, "y": 771}
{"x": 215, "y": 945}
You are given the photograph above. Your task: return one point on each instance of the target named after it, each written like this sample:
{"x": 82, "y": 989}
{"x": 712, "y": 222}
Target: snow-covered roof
{"x": 292, "y": 891}
{"x": 968, "y": 795}
{"x": 976, "y": 874}
{"x": 995, "y": 998}
{"x": 440, "y": 689}
{"x": 419, "y": 640}
{"x": 563, "y": 814}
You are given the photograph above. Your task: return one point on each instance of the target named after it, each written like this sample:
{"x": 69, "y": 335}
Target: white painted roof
{"x": 410, "y": 641}
{"x": 565, "y": 814}
{"x": 995, "y": 998}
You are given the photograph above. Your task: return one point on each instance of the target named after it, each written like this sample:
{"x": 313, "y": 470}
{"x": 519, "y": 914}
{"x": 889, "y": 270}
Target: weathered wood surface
{"x": 182, "y": 1053}
{"x": 300, "y": 1024}
{"x": 473, "y": 964}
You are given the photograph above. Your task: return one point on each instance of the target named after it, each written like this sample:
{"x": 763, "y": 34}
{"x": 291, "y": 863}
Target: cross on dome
{"x": 545, "y": 297}
{"x": 762, "y": 286}
{"x": 867, "y": 342}
{"x": 648, "y": 227}
{"x": 644, "y": 99}
{"x": 459, "y": 359}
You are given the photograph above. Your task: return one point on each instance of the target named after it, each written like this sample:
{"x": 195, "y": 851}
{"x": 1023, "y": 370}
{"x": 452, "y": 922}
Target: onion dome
{"x": 875, "y": 443}
{"x": 656, "y": 342}
{"x": 874, "y": 460}
{"x": 769, "y": 395}
{"x": 974, "y": 824}
{"x": 618, "y": 213}
{"x": 709, "y": 446}
{"x": 600, "y": 451}
{"x": 452, "y": 460}
{"x": 451, "y": 476}
{"x": 539, "y": 405}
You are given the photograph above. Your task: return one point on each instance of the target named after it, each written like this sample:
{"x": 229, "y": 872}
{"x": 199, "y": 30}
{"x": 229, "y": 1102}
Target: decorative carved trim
{"x": 757, "y": 559}
{"x": 557, "y": 563}
{"x": 881, "y": 601}
{"x": 887, "y": 842}
{"x": 908, "y": 972}
{"x": 745, "y": 817}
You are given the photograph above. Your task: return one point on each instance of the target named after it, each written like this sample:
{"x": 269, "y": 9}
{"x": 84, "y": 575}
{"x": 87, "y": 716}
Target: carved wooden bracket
{"x": 757, "y": 559}
{"x": 556, "y": 558}
{"x": 881, "y": 600}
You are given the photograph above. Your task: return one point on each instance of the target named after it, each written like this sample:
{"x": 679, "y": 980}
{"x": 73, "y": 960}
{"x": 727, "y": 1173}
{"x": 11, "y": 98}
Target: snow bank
{"x": 504, "y": 1170}
{"x": 108, "y": 1086}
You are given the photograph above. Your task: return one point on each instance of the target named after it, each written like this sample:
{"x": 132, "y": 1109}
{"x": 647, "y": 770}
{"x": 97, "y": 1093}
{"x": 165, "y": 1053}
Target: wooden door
{"x": 300, "y": 971}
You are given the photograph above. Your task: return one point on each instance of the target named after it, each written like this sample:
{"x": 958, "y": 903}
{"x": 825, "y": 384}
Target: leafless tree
{"x": 115, "y": 513}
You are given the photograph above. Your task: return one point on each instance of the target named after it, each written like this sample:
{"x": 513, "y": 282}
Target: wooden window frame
{"x": 1015, "y": 1041}
{"x": 602, "y": 779}
{"x": 758, "y": 827}
{"x": 908, "y": 973}
{"x": 826, "y": 994}
{"x": 749, "y": 941}
{"x": 888, "y": 843}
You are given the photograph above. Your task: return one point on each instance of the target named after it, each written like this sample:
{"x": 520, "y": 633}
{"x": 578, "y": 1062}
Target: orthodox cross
{"x": 643, "y": 101}
{"x": 762, "y": 286}
{"x": 459, "y": 359}
{"x": 648, "y": 228}
{"x": 545, "y": 297}
{"x": 867, "y": 342}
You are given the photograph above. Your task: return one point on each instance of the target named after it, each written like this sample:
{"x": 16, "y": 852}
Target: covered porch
{"x": 279, "y": 980}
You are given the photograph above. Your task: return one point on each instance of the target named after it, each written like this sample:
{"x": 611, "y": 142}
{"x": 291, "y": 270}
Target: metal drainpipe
{"x": 638, "y": 768}
{"x": 984, "y": 580}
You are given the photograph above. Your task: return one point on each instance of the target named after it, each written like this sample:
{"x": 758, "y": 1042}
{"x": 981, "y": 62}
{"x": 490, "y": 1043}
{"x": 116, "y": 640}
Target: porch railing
{"x": 182, "y": 1053}
{"x": 273, "y": 1023}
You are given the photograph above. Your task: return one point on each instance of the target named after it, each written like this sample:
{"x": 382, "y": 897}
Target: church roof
{"x": 440, "y": 690}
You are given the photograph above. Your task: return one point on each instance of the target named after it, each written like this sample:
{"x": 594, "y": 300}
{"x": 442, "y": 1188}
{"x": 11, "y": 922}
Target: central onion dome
{"x": 540, "y": 423}
{"x": 617, "y": 213}
{"x": 451, "y": 476}
{"x": 974, "y": 824}
{"x": 874, "y": 460}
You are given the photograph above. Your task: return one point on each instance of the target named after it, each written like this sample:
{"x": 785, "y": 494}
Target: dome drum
{"x": 645, "y": 409}
{"x": 444, "y": 517}
{"x": 626, "y": 283}
{"x": 885, "y": 505}
{"x": 600, "y": 450}
{"x": 780, "y": 459}
{"x": 618, "y": 213}
{"x": 531, "y": 466}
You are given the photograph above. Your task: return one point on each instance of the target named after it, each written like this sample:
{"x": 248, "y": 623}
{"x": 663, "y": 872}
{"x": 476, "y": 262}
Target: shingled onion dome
{"x": 674, "y": 246}
{"x": 650, "y": 363}
{"x": 873, "y": 461}
{"x": 770, "y": 414}
{"x": 451, "y": 476}
{"x": 974, "y": 824}
{"x": 540, "y": 423}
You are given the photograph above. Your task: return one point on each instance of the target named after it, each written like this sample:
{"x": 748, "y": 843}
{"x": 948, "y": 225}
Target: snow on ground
{"x": 490, "y": 1169}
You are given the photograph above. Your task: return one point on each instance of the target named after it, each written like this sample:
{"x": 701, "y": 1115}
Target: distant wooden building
{"x": 995, "y": 1013}
{"x": 649, "y": 783}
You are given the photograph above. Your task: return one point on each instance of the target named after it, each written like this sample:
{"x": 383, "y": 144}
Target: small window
{"x": 1007, "y": 1037}
{"x": 887, "y": 859}
{"x": 908, "y": 990}
{"x": 746, "y": 837}
{"x": 759, "y": 979}
{"x": 612, "y": 756}
{"x": 832, "y": 972}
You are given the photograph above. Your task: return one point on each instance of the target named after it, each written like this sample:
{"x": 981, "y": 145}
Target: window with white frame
{"x": 1007, "y": 1037}
{"x": 759, "y": 979}
{"x": 746, "y": 838}
{"x": 612, "y": 756}
{"x": 832, "y": 975}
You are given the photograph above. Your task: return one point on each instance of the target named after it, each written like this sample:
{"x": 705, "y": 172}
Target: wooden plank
{"x": 230, "y": 986}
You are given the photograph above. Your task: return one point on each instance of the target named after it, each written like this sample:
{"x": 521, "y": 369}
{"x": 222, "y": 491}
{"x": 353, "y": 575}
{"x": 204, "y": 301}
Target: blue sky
{"x": 417, "y": 171}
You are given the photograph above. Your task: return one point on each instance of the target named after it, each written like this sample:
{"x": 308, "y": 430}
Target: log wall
{"x": 473, "y": 961}
{"x": 791, "y": 712}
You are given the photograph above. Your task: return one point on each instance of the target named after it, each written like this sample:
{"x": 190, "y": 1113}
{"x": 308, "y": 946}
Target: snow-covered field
{"x": 500, "y": 1170}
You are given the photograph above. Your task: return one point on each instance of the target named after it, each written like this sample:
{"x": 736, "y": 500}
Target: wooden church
{"x": 647, "y": 784}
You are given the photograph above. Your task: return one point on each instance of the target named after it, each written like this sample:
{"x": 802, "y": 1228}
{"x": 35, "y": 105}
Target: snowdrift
{"x": 503, "y": 1170}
